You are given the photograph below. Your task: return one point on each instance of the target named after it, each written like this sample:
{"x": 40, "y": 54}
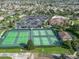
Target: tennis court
{"x": 15, "y": 38}
{"x": 10, "y": 38}
{"x": 23, "y": 37}
{"x": 44, "y": 37}
{"x": 40, "y": 37}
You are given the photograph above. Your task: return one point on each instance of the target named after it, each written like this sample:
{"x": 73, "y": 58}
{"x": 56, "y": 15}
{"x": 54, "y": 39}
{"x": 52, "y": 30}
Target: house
{"x": 1, "y": 18}
{"x": 64, "y": 35}
{"x": 58, "y": 20}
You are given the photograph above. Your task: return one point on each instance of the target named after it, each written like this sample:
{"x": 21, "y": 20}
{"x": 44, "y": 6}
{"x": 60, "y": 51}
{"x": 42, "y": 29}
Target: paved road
{"x": 18, "y": 55}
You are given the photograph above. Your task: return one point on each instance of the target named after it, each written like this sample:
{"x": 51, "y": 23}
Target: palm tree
{"x": 10, "y": 24}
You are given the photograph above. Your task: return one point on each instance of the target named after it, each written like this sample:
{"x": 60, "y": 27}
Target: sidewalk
{"x": 18, "y": 55}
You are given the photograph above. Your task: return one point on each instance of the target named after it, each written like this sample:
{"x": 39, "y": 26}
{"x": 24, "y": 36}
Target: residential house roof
{"x": 65, "y": 35}
{"x": 58, "y": 20}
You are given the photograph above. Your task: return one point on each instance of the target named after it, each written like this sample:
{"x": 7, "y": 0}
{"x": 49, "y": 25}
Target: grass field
{"x": 5, "y": 58}
{"x": 76, "y": 21}
{"x": 77, "y": 32}
{"x": 11, "y": 50}
{"x": 52, "y": 50}
{"x": 48, "y": 50}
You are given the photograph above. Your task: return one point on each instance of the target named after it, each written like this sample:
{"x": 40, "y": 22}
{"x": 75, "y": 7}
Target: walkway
{"x": 18, "y": 55}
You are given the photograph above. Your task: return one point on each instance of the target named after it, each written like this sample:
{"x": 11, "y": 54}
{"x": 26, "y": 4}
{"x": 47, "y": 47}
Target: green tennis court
{"x": 44, "y": 37}
{"x": 45, "y": 41}
{"x": 39, "y": 37}
{"x": 9, "y": 39}
{"x": 15, "y": 38}
{"x": 23, "y": 37}
{"x": 36, "y": 41}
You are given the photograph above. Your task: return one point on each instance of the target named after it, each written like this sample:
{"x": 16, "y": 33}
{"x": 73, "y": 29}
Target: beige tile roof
{"x": 65, "y": 35}
{"x": 57, "y": 20}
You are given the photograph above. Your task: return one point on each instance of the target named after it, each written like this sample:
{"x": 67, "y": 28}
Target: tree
{"x": 57, "y": 27}
{"x": 10, "y": 24}
{"x": 62, "y": 56}
{"x": 75, "y": 45}
{"x": 16, "y": 17}
{"x": 30, "y": 45}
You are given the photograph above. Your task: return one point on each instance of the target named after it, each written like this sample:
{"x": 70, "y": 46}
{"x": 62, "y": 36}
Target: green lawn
{"x": 5, "y": 58}
{"x": 48, "y": 50}
{"x": 76, "y": 21}
{"x": 14, "y": 50}
{"x": 52, "y": 50}
{"x": 77, "y": 32}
